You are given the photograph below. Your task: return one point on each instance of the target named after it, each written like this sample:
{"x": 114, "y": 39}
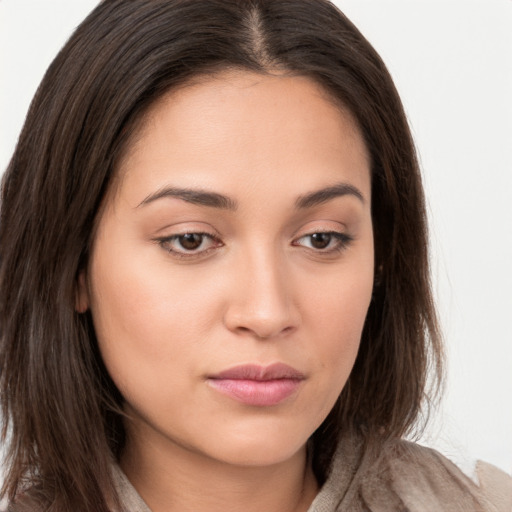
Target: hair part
{"x": 62, "y": 414}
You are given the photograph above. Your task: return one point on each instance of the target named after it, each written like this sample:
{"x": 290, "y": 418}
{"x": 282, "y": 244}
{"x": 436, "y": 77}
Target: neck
{"x": 174, "y": 478}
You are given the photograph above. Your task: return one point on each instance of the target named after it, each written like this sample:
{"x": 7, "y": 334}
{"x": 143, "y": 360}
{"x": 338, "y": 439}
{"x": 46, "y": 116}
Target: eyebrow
{"x": 326, "y": 194}
{"x": 216, "y": 200}
{"x": 194, "y": 196}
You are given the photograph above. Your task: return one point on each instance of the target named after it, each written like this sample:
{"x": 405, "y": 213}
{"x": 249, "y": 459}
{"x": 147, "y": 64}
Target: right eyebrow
{"x": 194, "y": 196}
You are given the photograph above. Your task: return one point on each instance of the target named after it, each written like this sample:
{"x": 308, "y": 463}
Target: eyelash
{"x": 341, "y": 242}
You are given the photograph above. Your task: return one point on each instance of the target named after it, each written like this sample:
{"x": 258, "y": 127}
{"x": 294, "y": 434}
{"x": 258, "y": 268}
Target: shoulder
{"x": 419, "y": 476}
{"x": 402, "y": 476}
{"x": 496, "y": 486}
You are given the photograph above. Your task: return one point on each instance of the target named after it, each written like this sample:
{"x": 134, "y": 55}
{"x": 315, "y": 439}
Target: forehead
{"x": 241, "y": 126}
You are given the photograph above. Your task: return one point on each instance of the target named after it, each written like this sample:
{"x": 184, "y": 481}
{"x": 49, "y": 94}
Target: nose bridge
{"x": 261, "y": 302}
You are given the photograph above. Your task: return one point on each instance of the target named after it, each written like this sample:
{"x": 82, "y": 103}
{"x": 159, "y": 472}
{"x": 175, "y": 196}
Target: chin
{"x": 241, "y": 449}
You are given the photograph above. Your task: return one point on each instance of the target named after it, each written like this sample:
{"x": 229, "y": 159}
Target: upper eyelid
{"x": 321, "y": 225}
{"x": 337, "y": 232}
{"x": 320, "y": 230}
{"x": 183, "y": 228}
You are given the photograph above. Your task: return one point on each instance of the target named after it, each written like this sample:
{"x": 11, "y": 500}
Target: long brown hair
{"x": 62, "y": 414}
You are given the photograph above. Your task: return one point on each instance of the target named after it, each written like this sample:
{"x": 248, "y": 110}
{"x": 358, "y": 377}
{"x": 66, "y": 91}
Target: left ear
{"x": 81, "y": 295}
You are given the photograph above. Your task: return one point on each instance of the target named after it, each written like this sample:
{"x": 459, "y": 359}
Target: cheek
{"x": 336, "y": 315}
{"x": 143, "y": 294}
{"x": 146, "y": 319}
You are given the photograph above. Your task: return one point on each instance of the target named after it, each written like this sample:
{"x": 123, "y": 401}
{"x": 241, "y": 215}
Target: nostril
{"x": 264, "y": 333}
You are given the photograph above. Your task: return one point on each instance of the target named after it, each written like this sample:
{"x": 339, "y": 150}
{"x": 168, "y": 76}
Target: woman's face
{"x": 233, "y": 268}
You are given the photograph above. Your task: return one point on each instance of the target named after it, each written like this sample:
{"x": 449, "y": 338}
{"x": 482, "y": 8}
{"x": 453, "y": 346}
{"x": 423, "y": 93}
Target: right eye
{"x": 191, "y": 244}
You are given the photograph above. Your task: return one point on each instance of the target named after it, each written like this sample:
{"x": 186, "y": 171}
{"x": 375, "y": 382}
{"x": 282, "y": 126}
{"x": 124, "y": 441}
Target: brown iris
{"x": 320, "y": 240}
{"x": 190, "y": 241}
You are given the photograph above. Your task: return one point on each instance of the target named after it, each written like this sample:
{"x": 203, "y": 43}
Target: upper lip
{"x": 259, "y": 373}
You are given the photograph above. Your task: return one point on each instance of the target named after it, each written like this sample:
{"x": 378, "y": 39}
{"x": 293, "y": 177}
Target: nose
{"x": 262, "y": 303}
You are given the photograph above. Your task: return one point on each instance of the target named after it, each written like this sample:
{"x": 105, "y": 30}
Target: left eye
{"x": 324, "y": 241}
{"x": 189, "y": 243}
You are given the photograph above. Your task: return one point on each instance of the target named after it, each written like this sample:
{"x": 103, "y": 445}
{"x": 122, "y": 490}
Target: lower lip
{"x": 256, "y": 392}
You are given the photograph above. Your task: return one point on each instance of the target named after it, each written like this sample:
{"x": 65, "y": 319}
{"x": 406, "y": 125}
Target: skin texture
{"x": 257, "y": 290}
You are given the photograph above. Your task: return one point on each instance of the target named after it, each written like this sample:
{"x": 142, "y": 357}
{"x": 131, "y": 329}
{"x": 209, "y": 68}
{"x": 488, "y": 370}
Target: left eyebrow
{"x": 326, "y": 194}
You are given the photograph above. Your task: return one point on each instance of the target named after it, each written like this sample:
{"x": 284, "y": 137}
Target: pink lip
{"x": 258, "y": 385}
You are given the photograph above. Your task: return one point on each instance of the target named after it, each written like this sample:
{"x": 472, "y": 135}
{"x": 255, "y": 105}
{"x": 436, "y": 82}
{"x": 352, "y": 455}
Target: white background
{"x": 452, "y": 63}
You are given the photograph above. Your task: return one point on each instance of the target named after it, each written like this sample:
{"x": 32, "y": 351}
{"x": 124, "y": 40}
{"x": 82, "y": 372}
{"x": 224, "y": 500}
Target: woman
{"x": 214, "y": 278}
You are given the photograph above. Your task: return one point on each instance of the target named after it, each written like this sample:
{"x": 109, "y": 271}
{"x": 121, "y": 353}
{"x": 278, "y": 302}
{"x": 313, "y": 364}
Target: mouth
{"x": 259, "y": 386}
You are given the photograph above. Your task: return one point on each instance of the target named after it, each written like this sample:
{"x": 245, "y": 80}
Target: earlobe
{"x": 81, "y": 295}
